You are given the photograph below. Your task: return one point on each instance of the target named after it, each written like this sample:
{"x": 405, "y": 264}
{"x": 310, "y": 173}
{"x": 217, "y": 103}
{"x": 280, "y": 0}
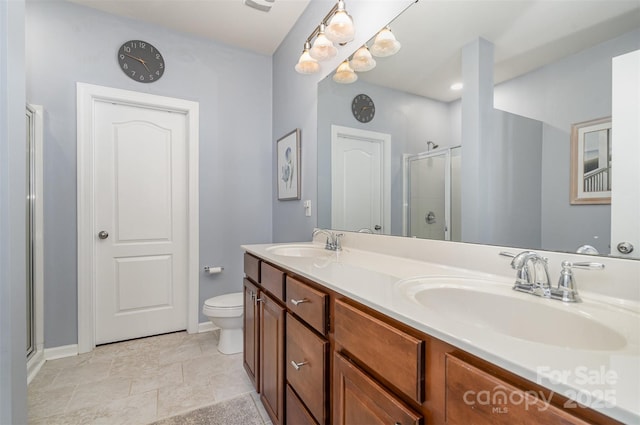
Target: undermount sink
{"x": 486, "y": 305}
{"x": 302, "y": 251}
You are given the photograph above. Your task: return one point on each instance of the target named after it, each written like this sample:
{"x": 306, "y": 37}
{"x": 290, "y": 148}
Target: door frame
{"x": 383, "y": 139}
{"x": 87, "y": 96}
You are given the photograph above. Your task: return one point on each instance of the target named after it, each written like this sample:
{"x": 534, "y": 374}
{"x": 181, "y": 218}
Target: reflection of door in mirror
{"x": 359, "y": 175}
{"x": 625, "y": 196}
{"x": 433, "y": 192}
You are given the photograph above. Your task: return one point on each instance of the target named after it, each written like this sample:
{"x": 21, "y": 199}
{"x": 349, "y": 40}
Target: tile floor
{"x": 137, "y": 382}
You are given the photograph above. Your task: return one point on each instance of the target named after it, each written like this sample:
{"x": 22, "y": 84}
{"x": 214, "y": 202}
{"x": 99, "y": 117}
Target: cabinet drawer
{"x": 272, "y": 280}
{"x": 306, "y": 361}
{"x": 297, "y": 414}
{"x": 393, "y": 355}
{"x": 358, "y": 399}
{"x": 474, "y": 396}
{"x": 307, "y": 303}
{"x": 252, "y": 267}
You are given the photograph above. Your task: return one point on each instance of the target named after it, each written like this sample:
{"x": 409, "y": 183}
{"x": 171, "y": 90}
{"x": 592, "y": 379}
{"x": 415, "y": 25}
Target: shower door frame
{"x": 406, "y": 218}
{"x": 35, "y": 113}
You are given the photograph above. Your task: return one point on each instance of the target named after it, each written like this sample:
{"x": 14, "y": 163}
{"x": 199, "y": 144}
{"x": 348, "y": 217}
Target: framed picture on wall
{"x": 591, "y": 162}
{"x": 288, "y": 166}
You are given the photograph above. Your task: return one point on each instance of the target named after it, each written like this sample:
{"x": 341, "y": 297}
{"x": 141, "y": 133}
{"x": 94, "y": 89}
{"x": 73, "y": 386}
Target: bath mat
{"x": 236, "y": 411}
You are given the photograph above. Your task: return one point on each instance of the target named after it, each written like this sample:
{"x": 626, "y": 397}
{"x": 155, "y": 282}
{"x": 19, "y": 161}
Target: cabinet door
{"x": 359, "y": 400}
{"x": 251, "y": 333}
{"x": 272, "y": 317}
{"x": 476, "y": 397}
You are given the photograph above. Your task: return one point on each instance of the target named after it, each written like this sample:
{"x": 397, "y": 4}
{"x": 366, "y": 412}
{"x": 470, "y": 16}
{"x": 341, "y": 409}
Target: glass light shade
{"x": 385, "y": 44}
{"x": 306, "y": 64}
{"x": 344, "y": 74}
{"x": 362, "y": 60}
{"x": 322, "y": 48}
{"x": 340, "y": 28}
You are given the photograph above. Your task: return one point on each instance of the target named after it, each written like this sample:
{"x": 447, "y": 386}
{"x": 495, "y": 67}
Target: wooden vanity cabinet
{"x": 264, "y": 333}
{"x": 355, "y": 365}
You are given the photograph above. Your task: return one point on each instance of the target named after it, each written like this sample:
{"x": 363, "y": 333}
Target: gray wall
{"x": 295, "y": 101}
{"x": 410, "y": 120}
{"x": 67, "y": 43}
{"x": 13, "y": 371}
{"x": 572, "y": 90}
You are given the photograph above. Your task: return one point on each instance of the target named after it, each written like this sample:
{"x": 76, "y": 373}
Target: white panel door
{"x": 358, "y": 199}
{"x": 141, "y": 219}
{"x": 625, "y": 186}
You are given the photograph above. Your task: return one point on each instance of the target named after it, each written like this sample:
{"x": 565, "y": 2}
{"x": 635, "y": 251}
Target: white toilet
{"x": 225, "y": 312}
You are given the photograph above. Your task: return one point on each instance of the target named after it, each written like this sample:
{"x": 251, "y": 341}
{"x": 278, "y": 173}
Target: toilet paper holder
{"x": 213, "y": 269}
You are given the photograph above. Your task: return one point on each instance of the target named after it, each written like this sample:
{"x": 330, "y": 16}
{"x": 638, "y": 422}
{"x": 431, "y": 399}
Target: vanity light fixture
{"x": 306, "y": 64}
{"x": 456, "y": 86}
{"x": 340, "y": 28}
{"x": 344, "y": 74}
{"x": 322, "y": 48}
{"x": 362, "y": 60}
{"x": 261, "y": 5}
{"x": 385, "y": 43}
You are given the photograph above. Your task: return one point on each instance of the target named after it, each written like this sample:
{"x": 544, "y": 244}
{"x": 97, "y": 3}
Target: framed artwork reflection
{"x": 591, "y": 162}
{"x": 288, "y": 166}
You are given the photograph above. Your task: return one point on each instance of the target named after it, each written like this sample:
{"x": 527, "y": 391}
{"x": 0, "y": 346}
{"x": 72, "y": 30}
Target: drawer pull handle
{"x": 296, "y": 302}
{"x": 297, "y": 366}
{"x": 259, "y": 300}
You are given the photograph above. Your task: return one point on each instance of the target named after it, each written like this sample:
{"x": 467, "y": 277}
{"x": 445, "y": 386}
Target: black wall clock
{"x": 140, "y": 61}
{"x": 363, "y": 108}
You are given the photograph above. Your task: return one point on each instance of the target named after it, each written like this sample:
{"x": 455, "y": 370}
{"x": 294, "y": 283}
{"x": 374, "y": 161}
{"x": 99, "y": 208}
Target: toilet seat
{"x": 228, "y": 305}
{"x": 225, "y": 301}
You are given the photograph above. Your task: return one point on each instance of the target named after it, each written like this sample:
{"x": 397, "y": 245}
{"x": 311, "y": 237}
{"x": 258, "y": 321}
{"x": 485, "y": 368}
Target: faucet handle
{"x": 567, "y": 288}
{"x": 585, "y": 265}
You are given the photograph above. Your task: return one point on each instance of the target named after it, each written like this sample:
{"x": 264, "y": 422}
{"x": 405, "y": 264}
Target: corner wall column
{"x": 477, "y": 134}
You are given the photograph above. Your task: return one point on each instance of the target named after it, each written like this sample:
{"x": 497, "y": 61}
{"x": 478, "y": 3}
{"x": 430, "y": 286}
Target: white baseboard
{"x": 60, "y": 352}
{"x": 206, "y": 327}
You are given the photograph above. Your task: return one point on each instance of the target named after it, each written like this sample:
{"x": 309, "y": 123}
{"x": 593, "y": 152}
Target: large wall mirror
{"x": 413, "y": 170}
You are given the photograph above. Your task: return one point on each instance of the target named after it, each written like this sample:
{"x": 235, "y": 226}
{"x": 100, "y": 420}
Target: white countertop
{"x": 607, "y": 381}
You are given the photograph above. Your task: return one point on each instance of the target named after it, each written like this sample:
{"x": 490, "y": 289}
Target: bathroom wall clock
{"x": 363, "y": 108}
{"x": 141, "y": 61}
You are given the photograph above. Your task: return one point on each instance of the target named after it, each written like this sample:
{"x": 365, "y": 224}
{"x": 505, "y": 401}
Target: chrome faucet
{"x": 532, "y": 273}
{"x": 333, "y": 239}
{"x": 533, "y": 276}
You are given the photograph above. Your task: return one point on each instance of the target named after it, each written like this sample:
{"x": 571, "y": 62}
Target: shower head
{"x": 431, "y": 145}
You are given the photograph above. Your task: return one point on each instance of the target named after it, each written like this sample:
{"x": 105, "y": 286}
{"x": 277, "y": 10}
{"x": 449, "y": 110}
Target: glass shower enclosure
{"x": 432, "y": 194}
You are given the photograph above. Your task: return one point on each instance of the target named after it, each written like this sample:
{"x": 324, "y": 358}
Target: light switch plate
{"x": 307, "y": 208}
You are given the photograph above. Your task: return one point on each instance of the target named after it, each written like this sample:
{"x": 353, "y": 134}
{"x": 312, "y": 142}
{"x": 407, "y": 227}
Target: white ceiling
{"x": 227, "y": 21}
{"x": 526, "y": 34}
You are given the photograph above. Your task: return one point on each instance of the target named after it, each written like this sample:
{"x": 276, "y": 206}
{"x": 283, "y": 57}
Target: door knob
{"x": 377, "y": 227}
{"x": 625, "y": 248}
{"x": 103, "y": 235}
